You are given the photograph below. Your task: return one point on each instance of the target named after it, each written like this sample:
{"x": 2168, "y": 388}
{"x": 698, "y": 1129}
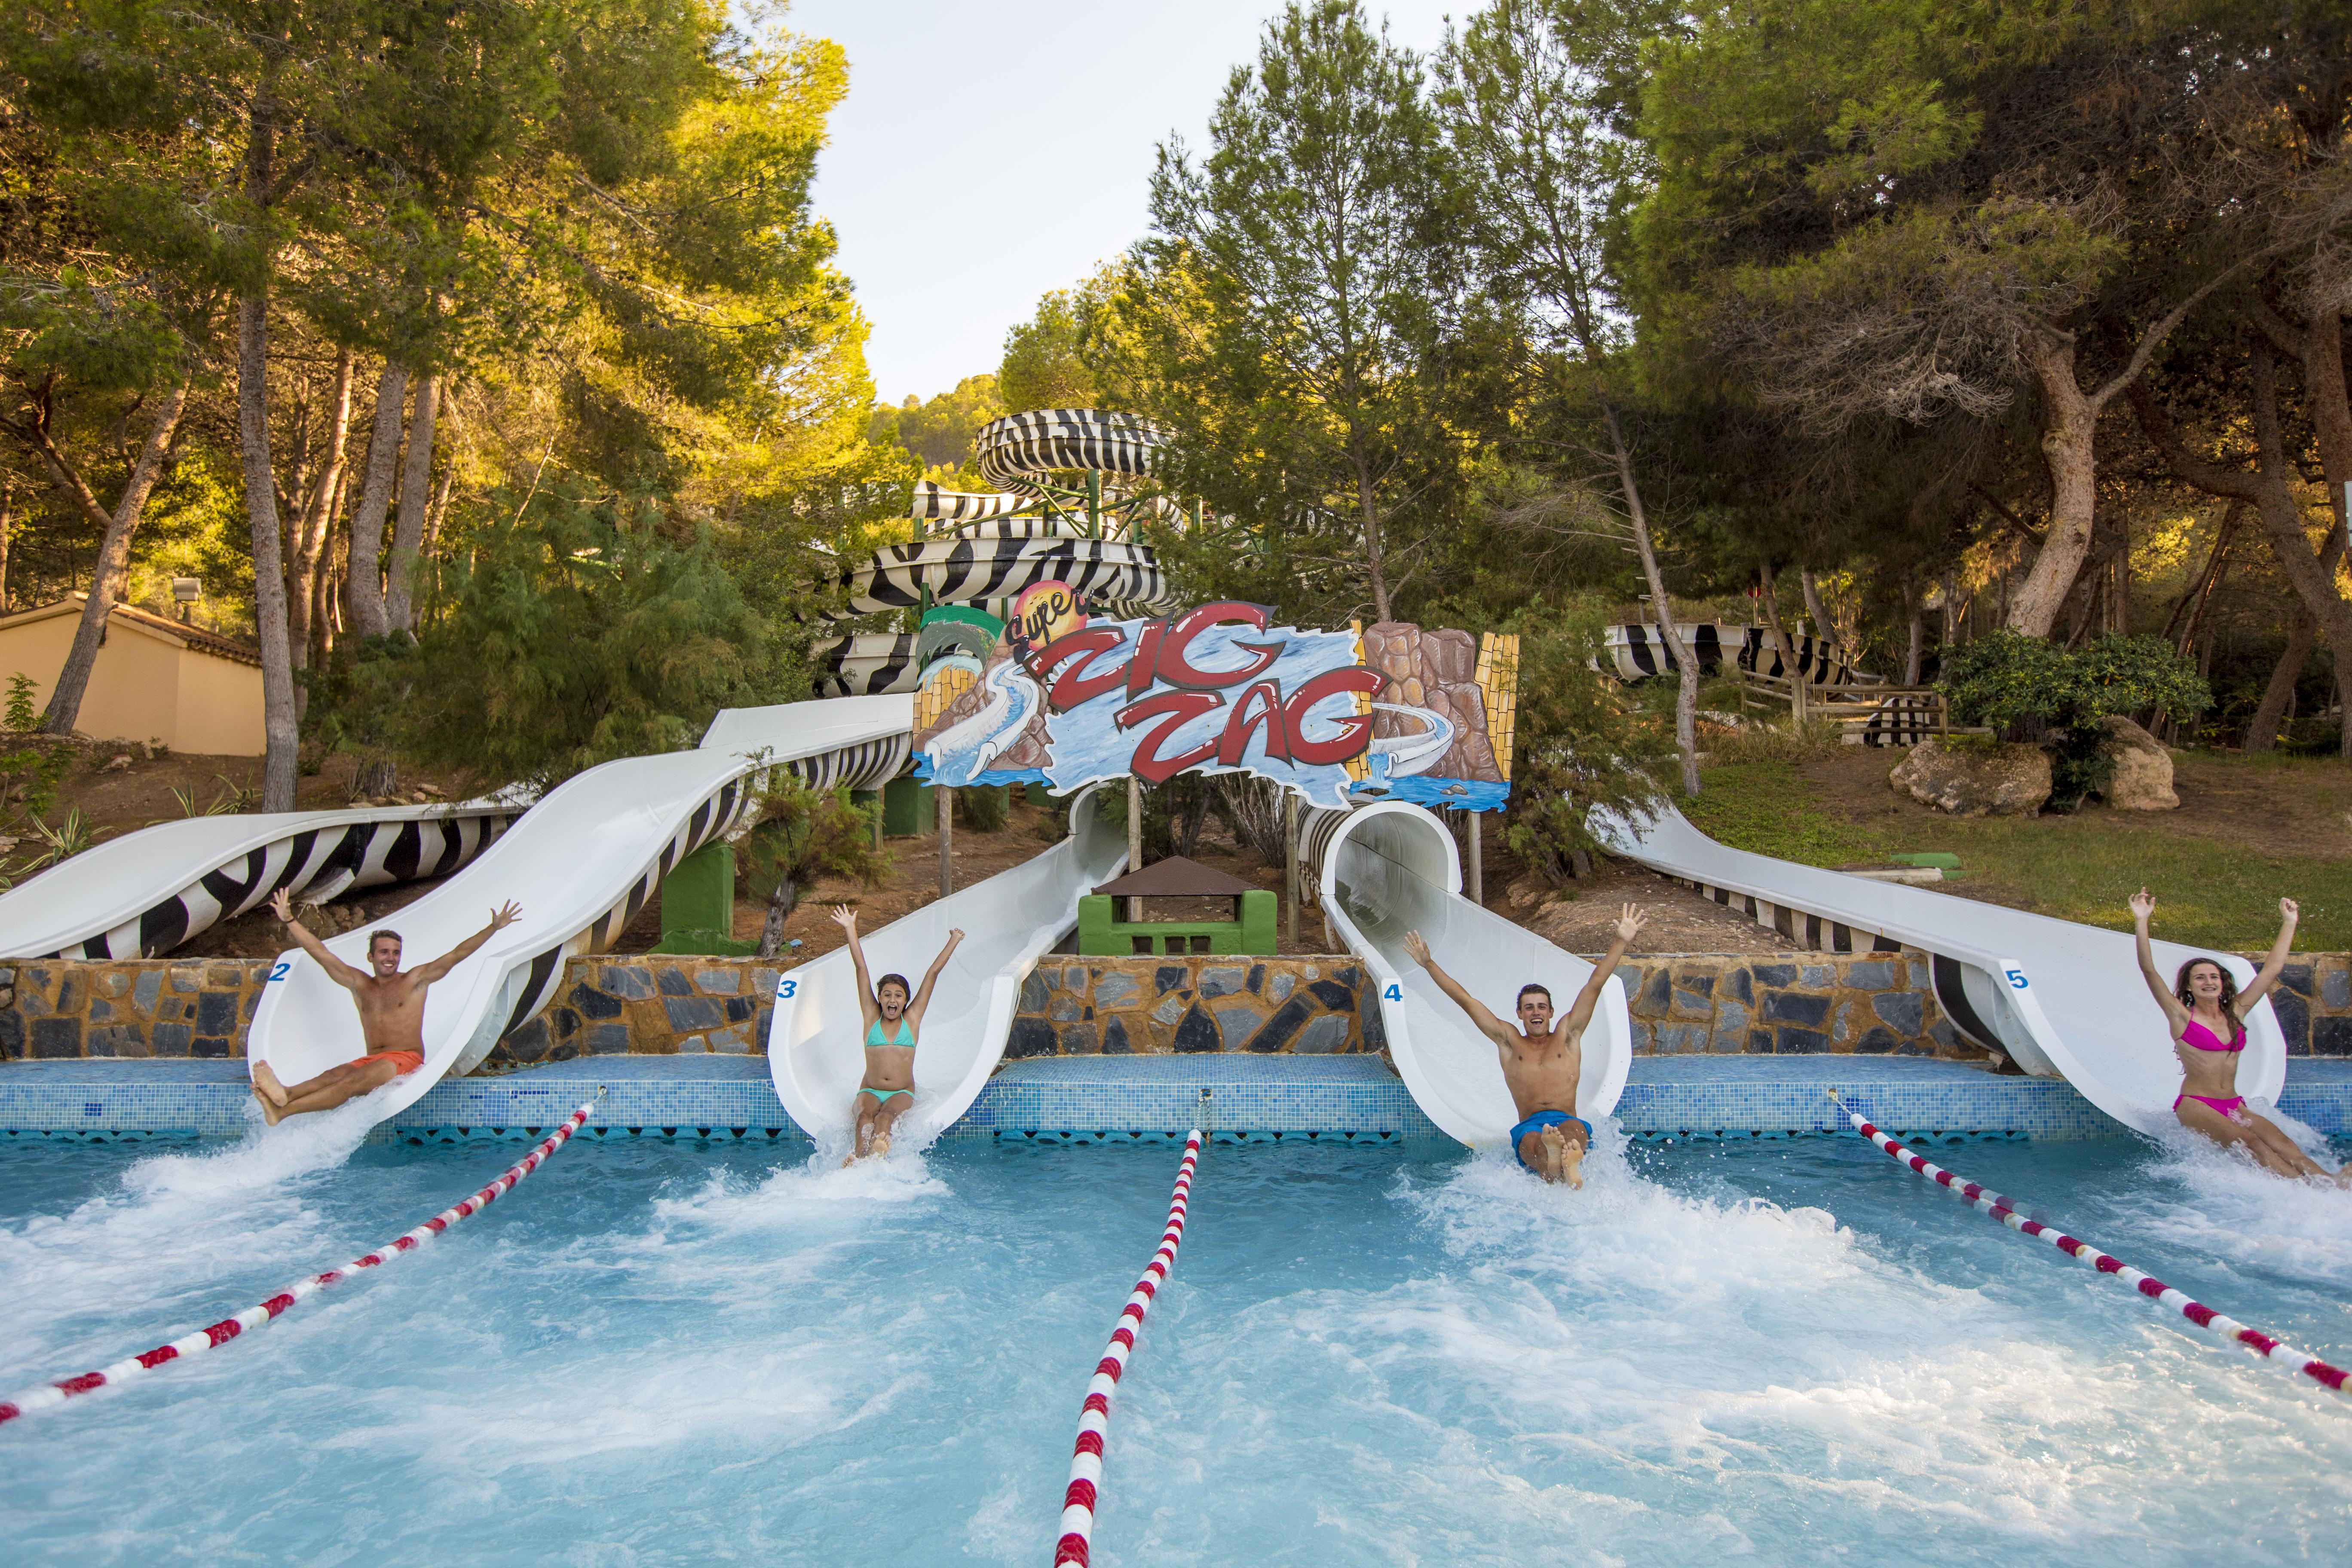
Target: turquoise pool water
{"x": 672, "y": 1353}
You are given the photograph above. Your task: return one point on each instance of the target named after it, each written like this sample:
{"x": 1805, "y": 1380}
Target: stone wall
{"x": 1801, "y": 1003}
{"x": 1143, "y": 1006}
{"x": 58, "y": 1008}
{"x": 649, "y": 1006}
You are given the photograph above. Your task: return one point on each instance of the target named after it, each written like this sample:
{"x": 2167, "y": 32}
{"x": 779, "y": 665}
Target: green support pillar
{"x": 906, "y": 809}
{"x": 698, "y": 905}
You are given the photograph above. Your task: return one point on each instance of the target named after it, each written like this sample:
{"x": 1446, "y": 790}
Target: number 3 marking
{"x": 785, "y": 989}
{"x": 1395, "y": 993}
{"x": 279, "y": 972}
{"x": 2016, "y": 978}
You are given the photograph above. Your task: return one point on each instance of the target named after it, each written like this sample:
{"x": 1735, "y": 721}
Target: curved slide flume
{"x": 582, "y": 863}
{"x": 145, "y": 893}
{"x": 815, "y": 1051}
{"x": 2055, "y": 996}
{"x": 1392, "y": 867}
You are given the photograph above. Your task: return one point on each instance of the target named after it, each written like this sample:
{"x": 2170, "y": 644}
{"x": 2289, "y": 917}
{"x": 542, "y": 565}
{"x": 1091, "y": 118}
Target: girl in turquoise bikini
{"x": 893, "y": 1024}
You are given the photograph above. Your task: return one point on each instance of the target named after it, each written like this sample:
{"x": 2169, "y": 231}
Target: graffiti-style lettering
{"x": 1259, "y": 707}
{"x": 1355, "y": 729}
{"x": 1147, "y": 655}
{"x": 1174, "y": 666}
{"x": 1174, "y": 710}
{"x": 1081, "y": 682}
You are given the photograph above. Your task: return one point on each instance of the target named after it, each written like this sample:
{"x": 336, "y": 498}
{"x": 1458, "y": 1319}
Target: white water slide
{"x": 582, "y": 863}
{"x": 816, "y": 1053}
{"x": 2057, "y": 998}
{"x": 1392, "y": 867}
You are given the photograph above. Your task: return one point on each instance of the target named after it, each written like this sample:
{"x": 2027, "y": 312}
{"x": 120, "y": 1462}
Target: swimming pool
{"x": 674, "y": 1351}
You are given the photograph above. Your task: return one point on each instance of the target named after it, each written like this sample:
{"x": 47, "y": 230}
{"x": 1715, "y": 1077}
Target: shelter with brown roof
{"x": 156, "y": 678}
{"x": 1109, "y": 928}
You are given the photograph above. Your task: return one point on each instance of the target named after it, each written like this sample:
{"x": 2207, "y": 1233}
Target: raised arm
{"x": 847, "y": 918}
{"x": 930, "y": 978}
{"x": 341, "y": 973}
{"x": 2142, "y": 907}
{"x": 502, "y": 917}
{"x": 1630, "y": 922}
{"x": 2288, "y": 915}
{"x": 1489, "y": 1024}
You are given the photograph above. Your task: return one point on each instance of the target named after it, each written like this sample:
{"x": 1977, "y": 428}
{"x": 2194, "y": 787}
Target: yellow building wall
{"x": 144, "y": 687}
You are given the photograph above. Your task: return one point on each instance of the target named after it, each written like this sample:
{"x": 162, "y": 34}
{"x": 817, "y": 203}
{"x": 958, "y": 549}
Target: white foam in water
{"x": 2219, "y": 1202}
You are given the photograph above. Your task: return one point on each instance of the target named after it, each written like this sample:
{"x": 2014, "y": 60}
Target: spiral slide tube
{"x": 1094, "y": 1416}
{"x": 1994, "y": 1206}
{"x": 50, "y": 1396}
{"x": 1392, "y": 867}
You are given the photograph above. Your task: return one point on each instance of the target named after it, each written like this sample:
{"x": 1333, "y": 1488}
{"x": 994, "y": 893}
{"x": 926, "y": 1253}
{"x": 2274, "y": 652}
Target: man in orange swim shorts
{"x": 391, "y": 1016}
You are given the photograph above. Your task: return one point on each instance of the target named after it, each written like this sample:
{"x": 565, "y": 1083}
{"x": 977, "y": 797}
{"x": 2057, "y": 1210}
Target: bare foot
{"x": 881, "y": 1145}
{"x": 1571, "y": 1160}
{"x": 270, "y": 1114}
{"x": 1555, "y": 1149}
{"x": 265, "y": 1084}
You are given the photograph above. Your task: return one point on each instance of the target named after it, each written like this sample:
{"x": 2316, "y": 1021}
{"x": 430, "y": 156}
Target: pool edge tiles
{"x": 1354, "y": 1098}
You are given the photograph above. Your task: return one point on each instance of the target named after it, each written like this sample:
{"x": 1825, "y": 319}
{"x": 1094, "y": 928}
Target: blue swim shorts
{"x": 1540, "y": 1120}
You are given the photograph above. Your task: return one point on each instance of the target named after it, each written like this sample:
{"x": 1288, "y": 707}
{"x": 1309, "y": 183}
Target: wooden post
{"x": 1478, "y": 872}
{"x": 1134, "y": 824}
{"x": 946, "y": 797}
{"x": 1290, "y": 863}
{"x": 1797, "y": 702}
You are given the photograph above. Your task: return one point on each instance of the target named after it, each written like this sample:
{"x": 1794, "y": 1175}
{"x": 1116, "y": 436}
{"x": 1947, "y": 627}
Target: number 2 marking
{"x": 2016, "y": 978}
{"x": 1395, "y": 993}
{"x": 786, "y": 989}
{"x": 279, "y": 972}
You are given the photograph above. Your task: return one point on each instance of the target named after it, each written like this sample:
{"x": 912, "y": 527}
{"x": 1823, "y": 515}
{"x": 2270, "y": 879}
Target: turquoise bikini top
{"x": 874, "y": 1036}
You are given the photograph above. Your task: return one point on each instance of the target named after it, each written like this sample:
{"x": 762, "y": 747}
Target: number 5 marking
{"x": 1395, "y": 993}
{"x": 786, "y": 989}
{"x": 2016, "y": 978}
{"x": 278, "y": 973}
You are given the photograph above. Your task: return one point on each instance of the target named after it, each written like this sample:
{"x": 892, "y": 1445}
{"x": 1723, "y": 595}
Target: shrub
{"x": 983, "y": 807}
{"x": 2032, "y": 689}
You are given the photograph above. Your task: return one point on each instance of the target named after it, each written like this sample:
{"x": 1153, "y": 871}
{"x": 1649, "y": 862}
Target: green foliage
{"x": 1766, "y": 808}
{"x": 23, "y": 713}
{"x": 939, "y": 434}
{"x": 588, "y": 630}
{"x": 1050, "y": 360}
{"x": 806, "y": 836}
{"x": 2020, "y": 685}
{"x": 68, "y": 837}
{"x": 983, "y": 807}
{"x": 1579, "y": 744}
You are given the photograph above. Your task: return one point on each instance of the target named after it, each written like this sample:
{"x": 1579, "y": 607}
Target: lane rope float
{"x": 1987, "y": 1202}
{"x": 50, "y": 1396}
{"x": 1085, "y": 1457}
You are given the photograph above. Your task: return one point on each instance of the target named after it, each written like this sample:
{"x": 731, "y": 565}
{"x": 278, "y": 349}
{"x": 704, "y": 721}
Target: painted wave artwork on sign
{"x": 1066, "y": 700}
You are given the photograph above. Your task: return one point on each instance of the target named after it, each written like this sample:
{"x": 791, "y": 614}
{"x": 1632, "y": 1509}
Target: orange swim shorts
{"x": 406, "y": 1062}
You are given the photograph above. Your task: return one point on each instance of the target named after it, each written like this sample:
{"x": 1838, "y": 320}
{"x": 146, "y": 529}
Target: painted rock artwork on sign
{"x": 1394, "y": 712}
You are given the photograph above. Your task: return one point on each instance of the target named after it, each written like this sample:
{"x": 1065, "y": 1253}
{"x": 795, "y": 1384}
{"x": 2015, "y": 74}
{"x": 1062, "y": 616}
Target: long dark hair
{"x": 2188, "y": 997}
{"x": 909, "y": 992}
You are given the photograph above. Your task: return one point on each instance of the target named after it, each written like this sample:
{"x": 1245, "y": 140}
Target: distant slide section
{"x": 145, "y": 893}
{"x": 1392, "y": 867}
{"x": 582, "y": 863}
{"x": 816, "y": 1039}
{"x": 2054, "y": 996}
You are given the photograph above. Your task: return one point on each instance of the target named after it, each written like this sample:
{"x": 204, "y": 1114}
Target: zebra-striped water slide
{"x": 145, "y": 893}
{"x": 582, "y": 863}
{"x": 989, "y": 553}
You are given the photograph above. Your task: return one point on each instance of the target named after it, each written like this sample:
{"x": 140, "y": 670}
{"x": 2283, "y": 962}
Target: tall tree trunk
{"x": 1824, "y": 631}
{"x": 317, "y": 518}
{"x": 1685, "y": 660}
{"x": 1915, "y": 650}
{"x": 363, "y": 579}
{"x": 2070, "y": 421}
{"x": 2262, "y": 731}
{"x": 1375, "y": 552}
{"x": 278, "y": 723}
{"x": 780, "y": 904}
{"x": 416, "y": 491}
{"x": 1774, "y": 635}
{"x": 113, "y": 567}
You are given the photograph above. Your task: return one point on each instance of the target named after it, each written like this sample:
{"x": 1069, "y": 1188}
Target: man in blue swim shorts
{"x": 1542, "y": 1061}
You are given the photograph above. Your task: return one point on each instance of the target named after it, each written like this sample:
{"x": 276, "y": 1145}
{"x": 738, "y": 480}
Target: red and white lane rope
{"x": 1987, "y": 1202}
{"x": 50, "y": 1396}
{"x": 1085, "y": 1459}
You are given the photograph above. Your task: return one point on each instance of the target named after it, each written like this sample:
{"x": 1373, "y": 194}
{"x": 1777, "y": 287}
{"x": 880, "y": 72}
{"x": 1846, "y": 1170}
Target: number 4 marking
{"x": 786, "y": 989}
{"x": 2016, "y": 978}
{"x": 1395, "y": 993}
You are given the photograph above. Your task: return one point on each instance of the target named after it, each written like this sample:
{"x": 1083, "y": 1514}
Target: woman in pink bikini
{"x": 2206, "y": 1012}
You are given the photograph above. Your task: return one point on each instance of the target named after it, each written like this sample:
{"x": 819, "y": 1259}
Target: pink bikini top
{"x": 2188, "y": 1038}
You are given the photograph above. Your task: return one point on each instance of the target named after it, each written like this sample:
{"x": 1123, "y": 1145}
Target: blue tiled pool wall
{"x": 1101, "y": 1099}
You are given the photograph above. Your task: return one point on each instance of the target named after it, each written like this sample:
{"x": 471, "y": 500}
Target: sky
{"x": 988, "y": 154}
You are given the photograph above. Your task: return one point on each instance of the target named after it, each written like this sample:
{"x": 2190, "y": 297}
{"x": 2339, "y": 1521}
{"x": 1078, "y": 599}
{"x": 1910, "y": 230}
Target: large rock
{"x": 2007, "y": 780}
{"x": 2143, "y": 780}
